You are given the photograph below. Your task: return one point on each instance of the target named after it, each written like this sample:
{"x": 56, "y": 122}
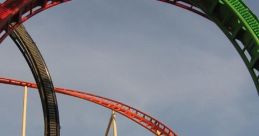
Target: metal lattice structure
{"x": 233, "y": 17}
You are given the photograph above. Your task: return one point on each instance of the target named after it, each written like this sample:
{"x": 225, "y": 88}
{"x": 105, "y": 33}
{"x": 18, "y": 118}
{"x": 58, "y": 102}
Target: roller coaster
{"x": 233, "y": 17}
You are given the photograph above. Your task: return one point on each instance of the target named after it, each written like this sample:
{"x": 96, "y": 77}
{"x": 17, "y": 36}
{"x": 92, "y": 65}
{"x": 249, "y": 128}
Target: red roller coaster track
{"x": 141, "y": 118}
{"x": 15, "y": 12}
{"x": 186, "y": 5}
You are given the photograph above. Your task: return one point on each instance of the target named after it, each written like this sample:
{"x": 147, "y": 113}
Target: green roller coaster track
{"x": 240, "y": 25}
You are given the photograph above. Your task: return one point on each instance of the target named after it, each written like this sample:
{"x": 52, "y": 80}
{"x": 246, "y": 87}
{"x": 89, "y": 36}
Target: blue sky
{"x": 170, "y": 63}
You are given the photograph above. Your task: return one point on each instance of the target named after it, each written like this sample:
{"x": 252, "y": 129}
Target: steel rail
{"x": 187, "y": 5}
{"x": 141, "y": 118}
{"x": 42, "y": 77}
{"x": 241, "y": 27}
{"x": 233, "y": 17}
{"x": 15, "y": 12}
{"x": 12, "y": 14}
{"x": 238, "y": 23}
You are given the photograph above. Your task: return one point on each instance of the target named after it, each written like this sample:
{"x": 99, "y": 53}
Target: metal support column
{"x": 24, "y": 113}
{"x": 112, "y": 123}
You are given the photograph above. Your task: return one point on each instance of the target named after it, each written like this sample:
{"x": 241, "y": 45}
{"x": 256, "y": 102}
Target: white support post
{"x": 112, "y": 123}
{"x": 24, "y": 111}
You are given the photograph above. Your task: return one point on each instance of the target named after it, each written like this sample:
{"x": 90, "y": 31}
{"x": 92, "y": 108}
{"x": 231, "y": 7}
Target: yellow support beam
{"x": 24, "y": 113}
{"x": 112, "y": 123}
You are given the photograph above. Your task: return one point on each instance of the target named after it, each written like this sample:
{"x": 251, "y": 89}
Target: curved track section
{"x": 235, "y": 19}
{"x": 15, "y": 12}
{"x": 41, "y": 75}
{"x": 186, "y": 4}
{"x": 238, "y": 23}
{"x": 137, "y": 116}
